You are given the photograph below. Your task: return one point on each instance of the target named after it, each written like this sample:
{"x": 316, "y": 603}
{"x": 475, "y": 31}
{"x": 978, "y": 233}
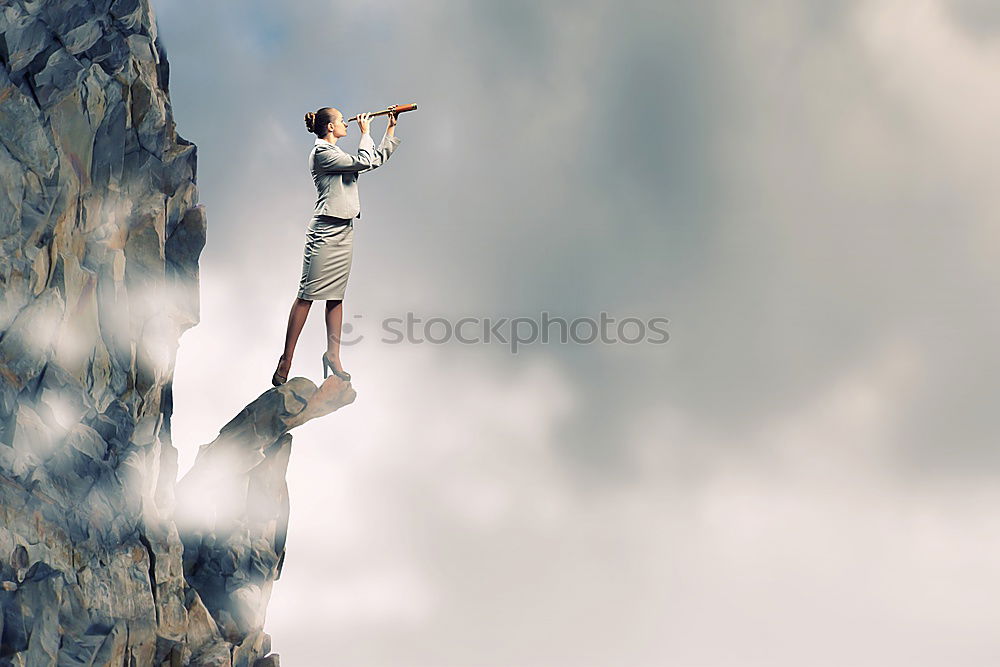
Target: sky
{"x": 804, "y": 473}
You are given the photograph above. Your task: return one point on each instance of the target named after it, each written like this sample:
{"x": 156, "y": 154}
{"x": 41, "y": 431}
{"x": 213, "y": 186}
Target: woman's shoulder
{"x": 324, "y": 145}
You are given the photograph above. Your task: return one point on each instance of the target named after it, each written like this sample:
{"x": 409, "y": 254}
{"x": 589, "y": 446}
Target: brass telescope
{"x": 398, "y": 108}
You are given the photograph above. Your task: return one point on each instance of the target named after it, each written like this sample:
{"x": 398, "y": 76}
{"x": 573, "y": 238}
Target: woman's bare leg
{"x": 334, "y": 325}
{"x": 296, "y": 320}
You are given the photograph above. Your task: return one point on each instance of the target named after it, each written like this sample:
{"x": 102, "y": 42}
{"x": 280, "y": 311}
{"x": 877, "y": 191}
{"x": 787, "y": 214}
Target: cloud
{"x": 804, "y": 189}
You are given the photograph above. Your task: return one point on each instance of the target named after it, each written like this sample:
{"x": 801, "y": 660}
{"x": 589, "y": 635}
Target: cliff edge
{"x": 104, "y": 557}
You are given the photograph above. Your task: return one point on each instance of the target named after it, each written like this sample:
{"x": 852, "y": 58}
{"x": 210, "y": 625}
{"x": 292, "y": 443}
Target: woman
{"x": 326, "y": 264}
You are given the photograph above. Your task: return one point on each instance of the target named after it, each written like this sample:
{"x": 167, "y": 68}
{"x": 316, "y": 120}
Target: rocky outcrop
{"x": 232, "y": 507}
{"x": 100, "y": 235}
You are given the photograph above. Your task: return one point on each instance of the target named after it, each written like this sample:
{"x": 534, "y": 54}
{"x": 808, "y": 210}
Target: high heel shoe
{"x": 343, "y": 375}
{"x": 278, "y": 380}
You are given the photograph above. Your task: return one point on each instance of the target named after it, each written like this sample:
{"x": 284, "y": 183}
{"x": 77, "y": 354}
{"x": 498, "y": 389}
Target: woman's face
{"x": 337, "y": 126}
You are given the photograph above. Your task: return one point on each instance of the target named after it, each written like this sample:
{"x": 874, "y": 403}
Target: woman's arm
{"x": 338, "y": 161}
{"x": 330, "y": 160}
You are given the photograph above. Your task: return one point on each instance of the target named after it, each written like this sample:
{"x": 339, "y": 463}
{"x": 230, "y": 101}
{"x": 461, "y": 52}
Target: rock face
{"x": 100, "y": 236}
{"x": 232, "y": 507}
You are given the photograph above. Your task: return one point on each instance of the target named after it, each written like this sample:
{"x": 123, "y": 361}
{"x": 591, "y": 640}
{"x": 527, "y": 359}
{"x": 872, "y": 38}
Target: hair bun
{"x": 310, "y": 121}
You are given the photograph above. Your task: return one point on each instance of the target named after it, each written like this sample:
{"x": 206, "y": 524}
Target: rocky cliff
{"x": 103, "y": 559}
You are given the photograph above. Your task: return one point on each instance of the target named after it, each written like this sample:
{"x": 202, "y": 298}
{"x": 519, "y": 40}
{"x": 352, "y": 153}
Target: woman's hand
{"x": 392, "y": 118}
{"x": 364, "y": 120}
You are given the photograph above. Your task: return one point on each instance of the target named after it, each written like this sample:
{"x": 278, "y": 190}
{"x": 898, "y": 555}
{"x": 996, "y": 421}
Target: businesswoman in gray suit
{"x": 326, "y": 262}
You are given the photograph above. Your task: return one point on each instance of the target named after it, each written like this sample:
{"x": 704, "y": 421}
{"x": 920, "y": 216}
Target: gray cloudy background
{"x": 804, "y": 475}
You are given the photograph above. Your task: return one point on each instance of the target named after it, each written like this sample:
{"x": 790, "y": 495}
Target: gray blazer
{"x": 335, "y": 173}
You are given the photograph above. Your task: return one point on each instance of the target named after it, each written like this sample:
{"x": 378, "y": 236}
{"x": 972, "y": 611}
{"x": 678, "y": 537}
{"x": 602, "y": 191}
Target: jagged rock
{"x": 216, "y": 654}
{"x": 22, "y": 129}
{"x": 11, "y": 192}
{"x": 26, "y": 345}
{"x": 25, "y": 35}
{"x": 102, "y": 561}
{"x": 232, "y": 507}
{"x": 61, "y": 76}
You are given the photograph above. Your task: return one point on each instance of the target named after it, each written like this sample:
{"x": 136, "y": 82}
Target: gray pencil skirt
{"x": 326, "y": 262}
